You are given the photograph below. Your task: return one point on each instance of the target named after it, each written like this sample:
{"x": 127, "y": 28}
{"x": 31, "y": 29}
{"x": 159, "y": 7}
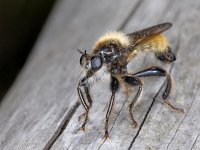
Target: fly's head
{"x": 90, "y": 63}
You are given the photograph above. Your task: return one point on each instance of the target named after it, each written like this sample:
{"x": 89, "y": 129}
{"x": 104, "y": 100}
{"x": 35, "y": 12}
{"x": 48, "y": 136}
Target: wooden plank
{"x": 41, "y": 109}
{"x": 44, "y": 96}
{"x": 122, "y": 132}
{"x": 160, "y": 128}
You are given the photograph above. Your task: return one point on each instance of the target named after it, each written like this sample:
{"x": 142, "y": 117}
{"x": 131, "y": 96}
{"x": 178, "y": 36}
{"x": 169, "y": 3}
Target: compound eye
{"x": 96, "y": 62}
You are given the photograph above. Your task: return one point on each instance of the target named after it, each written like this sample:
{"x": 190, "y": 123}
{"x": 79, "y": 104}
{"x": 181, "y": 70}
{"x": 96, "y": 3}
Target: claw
{"x": 135, "y": 125}
{"x": 180, "y": 110}
{"x": 106, "y": 136}
{"x": 82, "y": 128}
{"x": 81, "y": 116}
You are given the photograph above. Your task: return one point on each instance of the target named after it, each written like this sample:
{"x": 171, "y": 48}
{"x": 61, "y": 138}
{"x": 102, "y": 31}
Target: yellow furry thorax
{"x": 118, "y": 37}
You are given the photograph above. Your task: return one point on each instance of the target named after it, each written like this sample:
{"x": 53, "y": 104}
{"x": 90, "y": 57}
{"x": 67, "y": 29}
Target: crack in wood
{"x": 169, "y": 5}
{"x": 195, "y": 141}
{"x": 62, "y": 126}
{"x": 127, "y": 19}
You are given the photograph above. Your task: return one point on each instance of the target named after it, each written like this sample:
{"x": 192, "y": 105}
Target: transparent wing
{"x": 148, "y": 33}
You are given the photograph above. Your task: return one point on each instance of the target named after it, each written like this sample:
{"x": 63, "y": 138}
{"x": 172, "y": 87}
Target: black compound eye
{"x": 96, "y": 62}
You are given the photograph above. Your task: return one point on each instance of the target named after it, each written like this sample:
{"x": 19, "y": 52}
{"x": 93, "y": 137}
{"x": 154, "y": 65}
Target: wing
{"x": 148, "y": 33}
{"x": 149, "y": 39}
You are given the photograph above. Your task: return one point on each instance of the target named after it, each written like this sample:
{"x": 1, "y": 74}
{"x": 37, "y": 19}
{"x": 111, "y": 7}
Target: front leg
{"x": 155, "y": 71}
{"x": 83, "y": 102}
{"x": 114, "y": 87}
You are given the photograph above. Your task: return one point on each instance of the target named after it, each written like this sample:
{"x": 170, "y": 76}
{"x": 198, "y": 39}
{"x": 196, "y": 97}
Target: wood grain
{"x": 42, "y": 108}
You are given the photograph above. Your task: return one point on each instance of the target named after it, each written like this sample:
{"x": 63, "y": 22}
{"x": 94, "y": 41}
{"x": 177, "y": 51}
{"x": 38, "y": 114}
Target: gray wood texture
{"x": 41, "y": 109}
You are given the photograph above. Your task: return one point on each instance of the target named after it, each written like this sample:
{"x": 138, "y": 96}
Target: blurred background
{"x": 20, "y": 23}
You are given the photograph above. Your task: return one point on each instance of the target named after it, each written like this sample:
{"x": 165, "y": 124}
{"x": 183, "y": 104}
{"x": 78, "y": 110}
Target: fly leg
{"x": 83, "y": 102}
{"x": 134, "y": 82}
{"x": 90, "y": 103}
{"x": 114, "y": 87}
{"x": 155, "y": 71}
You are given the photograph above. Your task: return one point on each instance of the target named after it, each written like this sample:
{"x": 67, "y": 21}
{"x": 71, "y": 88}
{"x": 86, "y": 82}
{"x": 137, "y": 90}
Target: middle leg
{"x": 133, "y": 82}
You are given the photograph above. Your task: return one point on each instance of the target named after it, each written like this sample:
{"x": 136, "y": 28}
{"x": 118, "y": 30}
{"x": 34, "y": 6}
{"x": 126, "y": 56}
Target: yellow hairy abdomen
{"x": 157, "y": 44}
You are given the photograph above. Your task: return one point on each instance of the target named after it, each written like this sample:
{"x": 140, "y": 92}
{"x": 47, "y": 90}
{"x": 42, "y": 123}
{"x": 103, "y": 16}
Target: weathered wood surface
{"x": 41, "y": 109}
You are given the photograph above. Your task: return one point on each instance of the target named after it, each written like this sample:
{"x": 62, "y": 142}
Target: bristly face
{"x": 93, "y": 69}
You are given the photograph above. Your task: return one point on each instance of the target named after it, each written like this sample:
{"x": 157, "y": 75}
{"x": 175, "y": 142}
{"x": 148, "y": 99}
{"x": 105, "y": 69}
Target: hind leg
{"x": 155, "y": 71}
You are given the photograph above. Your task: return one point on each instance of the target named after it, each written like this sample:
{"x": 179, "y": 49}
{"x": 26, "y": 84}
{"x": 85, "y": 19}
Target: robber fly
{"x": 111, "y": 54}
